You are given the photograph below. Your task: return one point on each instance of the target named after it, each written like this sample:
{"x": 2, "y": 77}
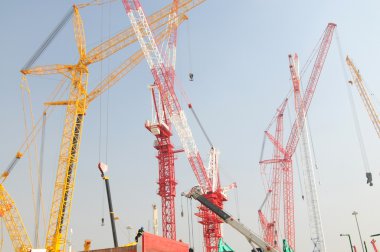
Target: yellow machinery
{"x": 77, "y": 104}
{"x": 357, "y": 79}
{"x": 13, "y": 222}
{"x": 76, "y": 108}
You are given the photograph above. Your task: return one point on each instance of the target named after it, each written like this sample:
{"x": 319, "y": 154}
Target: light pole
{"x": 349, "y": 238}
{"x": 354, "y": 213}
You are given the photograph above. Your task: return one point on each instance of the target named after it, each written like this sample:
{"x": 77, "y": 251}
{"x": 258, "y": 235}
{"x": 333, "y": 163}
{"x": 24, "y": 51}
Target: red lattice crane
{"x": 208, "y": 179}
{"x": 160, "y": 127}
{"x": 295, "y": 133}
{"x": 271, "y": 228}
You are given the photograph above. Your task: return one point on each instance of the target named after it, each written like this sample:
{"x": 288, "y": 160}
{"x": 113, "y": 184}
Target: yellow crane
{"x": 13, "y": 222}
{"x": 357, "y": 79}
{"x": 76, "y": 107}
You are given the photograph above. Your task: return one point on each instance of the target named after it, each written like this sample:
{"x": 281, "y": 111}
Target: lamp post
{"x": 349, "y": 238}
{"x": 354, "y": 213}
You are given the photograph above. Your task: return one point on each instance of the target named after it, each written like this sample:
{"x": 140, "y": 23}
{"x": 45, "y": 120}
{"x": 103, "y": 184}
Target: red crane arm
{"x": 309, "y": 92}
{"x": 166, "y": 88}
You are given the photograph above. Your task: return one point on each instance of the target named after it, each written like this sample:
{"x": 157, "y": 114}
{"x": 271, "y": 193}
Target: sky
{"x": 238, "y": 53}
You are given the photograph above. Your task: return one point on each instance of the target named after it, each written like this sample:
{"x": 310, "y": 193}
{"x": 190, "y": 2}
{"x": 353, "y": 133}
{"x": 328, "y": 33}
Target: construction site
{"x": 189, "y": 125}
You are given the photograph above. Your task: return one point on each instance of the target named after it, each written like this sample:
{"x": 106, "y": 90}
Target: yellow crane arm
{"x": 156, "y": 21}
{"x": 94, "y": 2}
{"x": 67, "y": 166}
{"x": 357, "y": 79}
{"x": 13, "y": 222}
{"x": 47, "y": 70}
{"x": 69, "y": 150}
{"x": 79, "y": 33}
{"x": 126, "y": 66}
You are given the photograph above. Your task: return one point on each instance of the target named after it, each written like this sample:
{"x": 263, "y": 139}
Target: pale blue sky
{"x": 239, "y": 58}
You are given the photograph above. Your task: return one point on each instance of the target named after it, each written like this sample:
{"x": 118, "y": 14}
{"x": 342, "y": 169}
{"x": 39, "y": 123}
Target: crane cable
{"x": 354, "y": 113}
{"x": 190, "y": 106}
{"x": 39, "y": 191}
{"x": 37, "y": 127}
{"x": 191, "y": 74}
{"x": 297, "y": 162}
{"x": 25, "y": 88}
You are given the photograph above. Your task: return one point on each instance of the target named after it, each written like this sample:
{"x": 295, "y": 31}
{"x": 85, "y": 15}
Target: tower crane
{"x": 295, "y": 134}
{"x": 357, "y": 79}
{"x": 160, "y": 127}
{"x": 165, "y": 85}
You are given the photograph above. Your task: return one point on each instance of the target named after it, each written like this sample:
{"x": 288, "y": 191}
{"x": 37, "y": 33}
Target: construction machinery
{"x": 103, "y": 168}
{"x": 208, "y": 179}
{"x": 289, "y": 149}
{"x": 257, "y": 243}
{"x": 13, "y": 222}
{"x": 79, "y": 100}
{"x": 160, "y": 127}
{"x": 373, "y": 242}
{"x": 357, "y": 79}
{"x": 76, "y": 107}
{"x": 270, "y": 226}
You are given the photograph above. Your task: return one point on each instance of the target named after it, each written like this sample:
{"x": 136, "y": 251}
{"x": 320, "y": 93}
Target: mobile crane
{"x": 257, "y": 243}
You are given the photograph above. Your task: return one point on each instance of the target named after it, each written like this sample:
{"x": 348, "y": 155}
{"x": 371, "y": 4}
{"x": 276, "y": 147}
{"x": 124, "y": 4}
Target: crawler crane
{"x": 76, "y": 107}
{"x": 289, "y": 149}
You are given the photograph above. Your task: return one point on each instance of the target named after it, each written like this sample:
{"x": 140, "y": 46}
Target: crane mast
{"x": 160, "y": 127}
{"x": 295, "y": 134}
{"x": 315, "y": 221}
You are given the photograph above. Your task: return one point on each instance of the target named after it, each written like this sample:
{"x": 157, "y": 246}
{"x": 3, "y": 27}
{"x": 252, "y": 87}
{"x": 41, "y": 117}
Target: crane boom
{"x": 315, "y": 220}
{"x": 69, "y": 150}
{"x": 157, "y": 20}
{"x": 310, "y": 89}
{"x": 295, "y": 134}
{"x": 13, "y": 222}
{"x": 166, "y": 89}
{"x": 253, "y": 239}
{"x": 357, "y": 79}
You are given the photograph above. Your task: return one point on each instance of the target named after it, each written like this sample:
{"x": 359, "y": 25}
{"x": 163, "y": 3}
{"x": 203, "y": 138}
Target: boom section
{"x": 165, "y": 85}
{"x": 13, "y": 222}
{"x": 253, "y": 239}
{"x": 309, "y": 92}
{"x": 357, "y": 79}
